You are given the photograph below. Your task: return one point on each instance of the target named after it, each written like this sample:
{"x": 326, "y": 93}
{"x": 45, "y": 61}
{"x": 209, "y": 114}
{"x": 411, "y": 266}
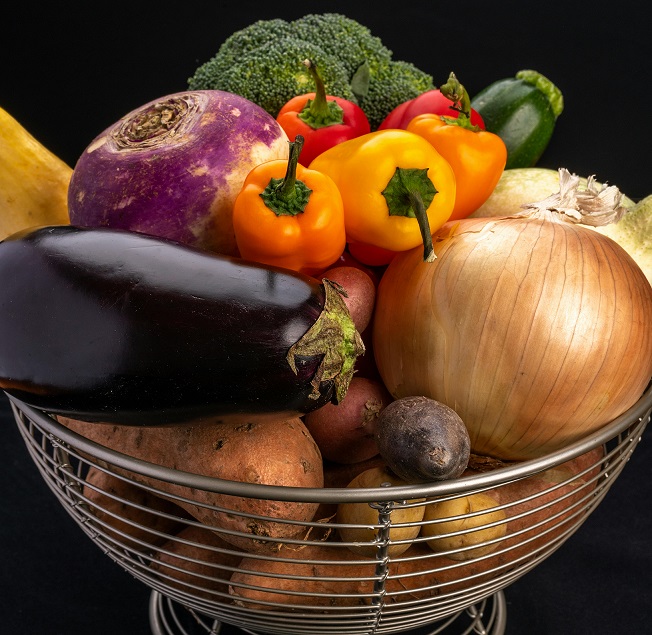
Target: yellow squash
{"x": 33, "y": 181}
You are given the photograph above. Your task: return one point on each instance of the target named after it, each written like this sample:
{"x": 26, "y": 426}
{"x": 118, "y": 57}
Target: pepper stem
{"x": 287, "y": 189}
{"x": 409, "y": 193}
{"x": 424, "y": 226}
{"x": 456, "y": 92}
{"x": 288, "y": 196}
{"x": 320, "y": 112}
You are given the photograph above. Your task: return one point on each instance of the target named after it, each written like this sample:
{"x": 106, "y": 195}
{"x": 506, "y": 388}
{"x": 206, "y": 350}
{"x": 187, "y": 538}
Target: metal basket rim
{"x": 59, "y": 433}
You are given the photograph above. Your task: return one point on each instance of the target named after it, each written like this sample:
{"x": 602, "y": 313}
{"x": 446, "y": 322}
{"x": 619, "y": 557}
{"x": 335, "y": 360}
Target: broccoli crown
{"x": 344, "y": 38}
{"x": 390, "y": 85}
{"x": 263, "y": 63}
{"x": 270, "y": 76}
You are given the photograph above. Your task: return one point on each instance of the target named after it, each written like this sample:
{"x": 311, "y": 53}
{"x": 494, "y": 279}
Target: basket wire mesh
{"x": 313, "y": 581}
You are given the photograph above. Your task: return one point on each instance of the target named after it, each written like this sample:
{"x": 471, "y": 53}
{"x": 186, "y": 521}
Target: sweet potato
{"x": 356, "y": 576}
{"x": 324, "y": 560}
{"x": 197, "y": 561}
{"x": 274, "y": 452}
{"x": 538, "y": 516}
{"x": 125, "y": 510}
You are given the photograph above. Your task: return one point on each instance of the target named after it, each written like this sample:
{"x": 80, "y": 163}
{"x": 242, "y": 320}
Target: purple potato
{"x": 422, "y": 440}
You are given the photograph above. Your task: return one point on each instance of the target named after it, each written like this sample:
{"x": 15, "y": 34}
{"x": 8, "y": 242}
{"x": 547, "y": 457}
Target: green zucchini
{"x": 522, "y": 110}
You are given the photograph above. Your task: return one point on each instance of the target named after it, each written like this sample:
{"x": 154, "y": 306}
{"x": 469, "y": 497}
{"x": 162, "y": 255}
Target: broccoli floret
{"x": 345, "y": 38}
{"x": 234, "y": 47}
{"x": 390, "y": 85}
{"x": 271, "y": 75}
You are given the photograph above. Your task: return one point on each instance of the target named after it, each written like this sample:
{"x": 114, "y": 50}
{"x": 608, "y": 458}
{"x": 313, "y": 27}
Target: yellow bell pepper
{"x": 397, "y": 190}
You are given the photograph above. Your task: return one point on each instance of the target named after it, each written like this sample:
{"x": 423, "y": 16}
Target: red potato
{"x": 365, "y": 365}
{"x": 360, "y": 290}
{"x": 344, "y": 432}
{"x": 348, "y": 260}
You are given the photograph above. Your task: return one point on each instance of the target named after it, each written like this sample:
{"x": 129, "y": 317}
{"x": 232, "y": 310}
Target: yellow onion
{"x": 535, "y": 330}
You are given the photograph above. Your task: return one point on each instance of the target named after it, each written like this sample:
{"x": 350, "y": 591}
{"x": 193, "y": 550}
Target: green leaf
{"x": 360, "y": 81}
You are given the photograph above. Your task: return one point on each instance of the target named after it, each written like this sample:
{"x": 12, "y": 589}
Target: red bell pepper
{"x": 431, "y": 102}
{"x": 322, "y": 120}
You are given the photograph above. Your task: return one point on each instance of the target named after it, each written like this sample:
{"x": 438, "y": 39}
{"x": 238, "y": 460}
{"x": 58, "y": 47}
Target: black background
{"x": 67, "y": 74}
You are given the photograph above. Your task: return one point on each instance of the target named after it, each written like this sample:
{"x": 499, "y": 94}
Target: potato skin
{"x": 360, "y": 291}
{"x": 273, "y": 452}
{"x": 279, "y": 591}
{"x": 206, "y": 563}
{"x": 473, "y": 526}
{"x": 423, "y": 573}
{"x": 100, "y": 487}
{"x": 345, "y": 432}
{"x": 423, "y": 440}
{"x": 366, "y": 516}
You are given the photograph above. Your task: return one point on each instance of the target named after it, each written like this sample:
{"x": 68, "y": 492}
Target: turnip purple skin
{"x": 173, "y": 167}
{"x": 422, "y": 440}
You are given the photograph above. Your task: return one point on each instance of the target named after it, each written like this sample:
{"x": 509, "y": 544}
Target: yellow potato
{"x": 364, "y": 515}
{"x": 474, "y": 530}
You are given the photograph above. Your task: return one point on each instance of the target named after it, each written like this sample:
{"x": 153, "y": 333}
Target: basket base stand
{"x": 167, "y": 617}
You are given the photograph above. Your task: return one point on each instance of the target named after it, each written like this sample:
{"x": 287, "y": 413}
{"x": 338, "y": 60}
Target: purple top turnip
{"x": 173, "y": 167}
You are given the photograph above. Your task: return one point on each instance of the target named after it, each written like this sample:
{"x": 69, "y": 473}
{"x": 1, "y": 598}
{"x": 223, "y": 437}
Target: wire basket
{"x": 408, "y": 569}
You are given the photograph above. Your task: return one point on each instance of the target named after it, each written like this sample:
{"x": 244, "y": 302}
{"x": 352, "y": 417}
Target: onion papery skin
{"x": 535, "y": 331}
{"x": 173, "y": 167}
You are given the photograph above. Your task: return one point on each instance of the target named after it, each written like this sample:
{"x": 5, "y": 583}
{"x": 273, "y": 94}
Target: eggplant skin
{"x": 112, "y": 325}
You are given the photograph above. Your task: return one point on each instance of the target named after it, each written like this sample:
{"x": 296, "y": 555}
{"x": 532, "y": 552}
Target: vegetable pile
{"x": 315, "y": 267}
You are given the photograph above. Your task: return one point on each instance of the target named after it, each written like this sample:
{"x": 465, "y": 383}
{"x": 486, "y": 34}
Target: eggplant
{"x": 110, "y": 325}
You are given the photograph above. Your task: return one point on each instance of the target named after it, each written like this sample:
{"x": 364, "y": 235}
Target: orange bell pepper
{"x": 289, "y": 216}
{"x": 396, "y": 188}
{"x": 478, "y": 157}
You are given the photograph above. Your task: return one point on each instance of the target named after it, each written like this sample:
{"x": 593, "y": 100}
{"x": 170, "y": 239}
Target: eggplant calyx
{"x": 334, "y": 337}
